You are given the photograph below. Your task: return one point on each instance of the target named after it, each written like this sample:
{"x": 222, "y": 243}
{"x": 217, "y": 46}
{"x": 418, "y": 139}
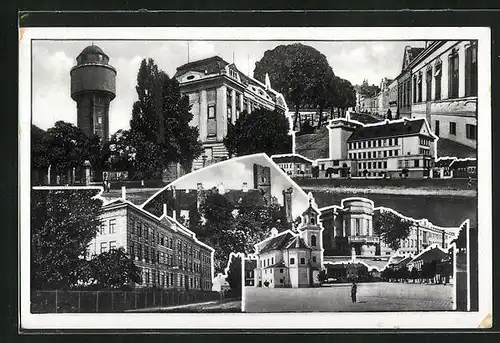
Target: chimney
{"x": 174, "y": 214}
{"x": 164, "y": 209}
{"x": 245, "y": 187}
{"x": 124, "y": 193}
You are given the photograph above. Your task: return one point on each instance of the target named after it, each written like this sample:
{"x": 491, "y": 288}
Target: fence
{"x": 113, "y": 301}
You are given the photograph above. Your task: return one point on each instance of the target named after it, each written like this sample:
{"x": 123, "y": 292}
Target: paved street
{"x": 371, "y": 297}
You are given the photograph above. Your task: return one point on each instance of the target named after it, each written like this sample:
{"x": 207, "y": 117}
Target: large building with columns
{"x": 444, "y": 89}
{"x": 218, "y": 93}
{"x": 350, "y": 226}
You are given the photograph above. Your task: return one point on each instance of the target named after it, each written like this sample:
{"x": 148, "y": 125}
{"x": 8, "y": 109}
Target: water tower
{"x": 93, "y": 83}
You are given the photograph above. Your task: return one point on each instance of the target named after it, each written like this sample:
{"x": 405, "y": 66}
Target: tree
{"x": 161, "y": 118}
{"x": 113, "y": 269}
{"x": 391, "y": 228}
{"x": 39, "y": 150}
{"x": 329, "y": 171}
{"x": 62, "y": 225}
{"x": 315, "y": 171}
{"x": 295, "y": 70}
{"x": 234, "y": 275}
{"x": 260, "y": 131}
{"x": 306, "y": 128}
{"x": 68, "y": 147}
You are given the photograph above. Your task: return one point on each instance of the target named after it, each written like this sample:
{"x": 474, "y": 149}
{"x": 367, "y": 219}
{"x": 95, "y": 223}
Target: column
{"x": 424, "y": 85}
{"x": 203, "y": 115}
{"x": 433, "y": 83}
{"x": 221, "y": 112}
{"x": 233, "y": 105}
{"x": 461, "y": 71}
{"x": 241, "y": 102}
{"x": 444, "y": 76}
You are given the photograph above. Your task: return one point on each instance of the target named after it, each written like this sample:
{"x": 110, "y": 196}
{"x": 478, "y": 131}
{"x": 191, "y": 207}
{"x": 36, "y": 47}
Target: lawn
{"x": 379, "y": 296}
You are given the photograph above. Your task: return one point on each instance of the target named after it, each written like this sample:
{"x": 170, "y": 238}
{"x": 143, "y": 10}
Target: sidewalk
{"x": 175, "y": 307}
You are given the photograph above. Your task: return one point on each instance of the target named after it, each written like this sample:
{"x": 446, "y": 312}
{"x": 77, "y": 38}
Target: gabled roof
{"x": 434, "y": 254}
{"x": 284, "y": 241}
{"x": 388, "y": 129}
{"x": 298, "y": 243}
{"x": 444, "y": 162}
{"x": 458, "y": 163}
{"x": 211, "y": 65}
{"x": 291, "y": 159}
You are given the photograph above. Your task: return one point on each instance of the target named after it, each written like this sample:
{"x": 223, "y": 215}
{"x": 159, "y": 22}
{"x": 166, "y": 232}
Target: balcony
{"x": 364, "y": 239}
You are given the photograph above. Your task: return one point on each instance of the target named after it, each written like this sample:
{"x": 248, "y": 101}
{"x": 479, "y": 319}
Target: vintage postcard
{"x": 255, "y": 178}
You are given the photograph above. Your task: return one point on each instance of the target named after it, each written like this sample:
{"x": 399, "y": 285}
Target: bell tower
{"x": 311, "y": 233}
{"x": 93, "y": 84}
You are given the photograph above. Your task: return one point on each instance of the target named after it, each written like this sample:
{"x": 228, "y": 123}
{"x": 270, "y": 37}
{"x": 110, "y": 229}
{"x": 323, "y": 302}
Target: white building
{"x": 218, "y": 92}
{"x": 444, "y": 89}
{"x": 291, "y": 259}
{"x": 294, "y": 165}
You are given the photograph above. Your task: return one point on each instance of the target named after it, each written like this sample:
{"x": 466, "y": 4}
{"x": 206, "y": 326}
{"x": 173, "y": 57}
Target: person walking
{"x": 354, "y": 289}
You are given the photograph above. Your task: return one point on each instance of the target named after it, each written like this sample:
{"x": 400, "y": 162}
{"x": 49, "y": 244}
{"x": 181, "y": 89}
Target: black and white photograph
{"x": 255, "y": 173}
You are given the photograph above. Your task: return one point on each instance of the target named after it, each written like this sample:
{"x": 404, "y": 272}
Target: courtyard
{"x": 376, "y": 296}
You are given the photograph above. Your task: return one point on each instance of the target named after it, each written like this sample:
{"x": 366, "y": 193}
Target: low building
{"x": 218, "y": 93}
{"x": 291, "y": 259}
{"x": 433, "y": 255}
{"x": 350, "y": 226}
{"x": 250, "y": 265}
{"x": 294, "y": 165}
{"x": 464, "y": 168}
{"x": 442, "y": 168}
{"x": 168, "y": 254}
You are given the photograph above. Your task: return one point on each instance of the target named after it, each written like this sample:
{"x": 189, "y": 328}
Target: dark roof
{"x": 285, "y": 241}
{"x": 388, "y": 129}
{"x": 290, "y": 159}
{"x": 414, "y": 52}
{"x": 250, "y": 264}
{"x": 401, "y": 263}
{"x": 280, "y": 264}
{"x": 444, "y": 162}
{"x": 92, "y": 49}
{"x": 212, "y": 65}
{"x": 447, "y": 147}
{"x": 463, "y": 163}
{"x": 434, "y": 254}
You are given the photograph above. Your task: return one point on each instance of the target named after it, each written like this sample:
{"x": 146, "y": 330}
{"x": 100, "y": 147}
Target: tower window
{"x": 313, "y": 240}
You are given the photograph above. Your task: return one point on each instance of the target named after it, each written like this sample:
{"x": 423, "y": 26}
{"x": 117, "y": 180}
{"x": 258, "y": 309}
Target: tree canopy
{"x": 113, "y": 269}
{"x": 234, "y": 275}
{"x": 391, "y": 228}
{"x": 62, "y": 225}
{"x": 259, "y": 131}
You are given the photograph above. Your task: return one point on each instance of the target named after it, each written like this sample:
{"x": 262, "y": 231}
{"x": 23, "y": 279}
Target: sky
{"x": 234, "y": 172}
{"x": 52, "y": 61}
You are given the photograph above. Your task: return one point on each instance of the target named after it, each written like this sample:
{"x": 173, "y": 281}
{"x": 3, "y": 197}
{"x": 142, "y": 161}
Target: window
{"x": 417, "y": 163}
{"x": 369, "y": 165}
{"x": 229, "y": 102}
{"x": 415, "y": 88}
{"x": 428, "y": 85}
{"x": 396, "y": 152}
{"x": 146, "y": 253}
{"x": 112, "y": 245}
{"x": 313, "y": 240}
{"x": 453, "y": 74}
{"x": 436, "y": 128}
{"x": 471, "y": 131}
{"x": 380, "y": 165}
{"x": 385, "y": 153}
{"x": 471, "y": 70}
{"x": 385, "y": 164}
{"x": 358, "y": 227}
{"x": 369, "y": 154}
{"x": 419, "y": 87}
{"x": 364, "y": 155}
{"x": 146, "y": 232}
{"x": 102, "y": 228}
{"x": 390, "y": 153}
{"x": 314, "y": 258}
{"x": 139, "y": 229}
{"x": 104, "y": 247}
{"x": 453, "y": 128}
{"x": 281, "y": 270}
{"x": 292, "y": 260}
{"x": 437, "y": 82}
{"x": 132, "y": 226}
{"x": 302, "y": 260}
{"x": 395, "y": 141}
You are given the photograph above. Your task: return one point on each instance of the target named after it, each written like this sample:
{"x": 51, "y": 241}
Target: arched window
{"x": 313, "y": 240}
{"x": 313, "y": 221}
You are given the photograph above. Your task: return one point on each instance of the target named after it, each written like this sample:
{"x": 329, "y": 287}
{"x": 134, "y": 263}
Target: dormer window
{"x": 190, "y": 77}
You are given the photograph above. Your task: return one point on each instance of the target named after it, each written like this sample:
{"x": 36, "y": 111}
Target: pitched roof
{"x": 285, "y": 241}
{"x": 211, "y": 65}
{"x": 444, "y": 162}
{"x": 388, "y": 129}
{"x": 463, "y": 163}
{"x": 298, "y": 243}
{"x": 280, "y": 264}
{"x": 401, "y": 263}
{"x": 290, "y": 159}
{"x": 434, "y": 254}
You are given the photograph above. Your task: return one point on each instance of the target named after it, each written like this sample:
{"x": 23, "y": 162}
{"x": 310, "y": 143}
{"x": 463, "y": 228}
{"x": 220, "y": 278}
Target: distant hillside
{"x": 314, "y": 145}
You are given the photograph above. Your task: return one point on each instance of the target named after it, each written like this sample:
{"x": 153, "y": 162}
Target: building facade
{"x": 404, "y": 82}
{"x": 169, "y": 255}
{"x": 291, "y": 259}
{"x": 398, "y": 148}
{"x": 93, "y": 84}
{"x": 350, "y": 226}
{"x": 444, "y": 89}
{"x": 294, "y": 165}
{"x": 218, "y": 93}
